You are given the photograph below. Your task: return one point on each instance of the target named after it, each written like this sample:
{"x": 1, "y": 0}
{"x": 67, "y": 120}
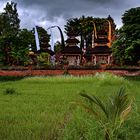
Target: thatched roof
{"x": 100, "y": 50}
{"x": 72, "y": 40}
{"x": 101, "y": 40}
{"x": 71, "y": 50}
{"x": 47, "y": 51}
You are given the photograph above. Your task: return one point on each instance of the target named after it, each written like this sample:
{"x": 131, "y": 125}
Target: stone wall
{"x": 61, "y": 72}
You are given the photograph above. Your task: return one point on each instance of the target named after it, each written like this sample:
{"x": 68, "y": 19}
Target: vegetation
{"x": 83, "y": 27}
{"x": 44, "y": 107}
{"x": 57, "y": 46}
{"x": 9, "y": 91}
{"x": 110, "y": 115}
{"x": 126, "y": 48}
{"x": 15, "y": 43}
{"x": 9, "y": 27}
{"x": 44, "y": 38}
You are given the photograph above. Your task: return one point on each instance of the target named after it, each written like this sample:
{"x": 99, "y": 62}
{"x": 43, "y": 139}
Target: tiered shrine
{"x": 101, "y": 53}
{"x": 72, "y": 53}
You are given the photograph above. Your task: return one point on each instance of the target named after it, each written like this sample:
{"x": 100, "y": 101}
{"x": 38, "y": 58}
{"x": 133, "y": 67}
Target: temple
{"x": 101, "y": 53}
{"x": 97, "y": 53}
{"x": 72, "y": 53}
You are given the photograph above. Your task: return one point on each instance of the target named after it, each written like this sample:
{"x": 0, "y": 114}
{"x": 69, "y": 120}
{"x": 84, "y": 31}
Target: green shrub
{"x": 110, "y": 115}
{"x": 9, "y": 91}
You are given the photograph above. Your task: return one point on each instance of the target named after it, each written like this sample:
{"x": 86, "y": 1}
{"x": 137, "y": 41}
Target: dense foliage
{"x": 126, "y": 49}
{"x": 15, "y": 43}
{"x": 9, "y": 27}
{"x": 44, "y": 38}
{"x": 83, "y": 27}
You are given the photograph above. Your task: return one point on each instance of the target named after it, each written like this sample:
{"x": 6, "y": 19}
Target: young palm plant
{"x": 110, "y": 115}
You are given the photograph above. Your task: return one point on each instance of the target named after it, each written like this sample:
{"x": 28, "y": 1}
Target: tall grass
{"x": 44, "y": 109}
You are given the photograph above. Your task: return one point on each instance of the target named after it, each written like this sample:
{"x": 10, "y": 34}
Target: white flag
{"x": 37, "y": 39}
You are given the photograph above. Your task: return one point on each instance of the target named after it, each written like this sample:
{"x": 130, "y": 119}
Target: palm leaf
{"x": 116, "y": 110}
{"x": 124, "y": 114}
{"x": 89, "y": 110}
{"x": 96, "y": 101}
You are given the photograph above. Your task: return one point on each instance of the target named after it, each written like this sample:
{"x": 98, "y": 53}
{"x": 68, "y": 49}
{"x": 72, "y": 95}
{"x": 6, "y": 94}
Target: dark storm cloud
{"x": 55, "y": 12}
{"x": 67, "y": 8}
{"x": 52, "y": 10}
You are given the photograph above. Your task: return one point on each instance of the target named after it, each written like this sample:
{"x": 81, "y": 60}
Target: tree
{"x": 9, "y": 26}
{"x": 57, "y": 46}
{"x": 126, "y": 49}
{"x": 72, "y": 25}
{"x": 10, "y": 19}
{"x": 82, "y": 27}
{"x": 44, "y": 38}
{"x": 20, "y": 47}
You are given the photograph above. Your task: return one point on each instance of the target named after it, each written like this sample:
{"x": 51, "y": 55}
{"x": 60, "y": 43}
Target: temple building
{"x": 101, "y": 53}
{"x": 45, "y": 54}
{"x": 72, "y": 53}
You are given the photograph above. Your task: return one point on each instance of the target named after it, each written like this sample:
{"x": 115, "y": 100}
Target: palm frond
{"x": 90, "y": 110}
{"x": 97, "y": 102}
{"x": 116, "y": 110}
{"x": 124, "y": 114}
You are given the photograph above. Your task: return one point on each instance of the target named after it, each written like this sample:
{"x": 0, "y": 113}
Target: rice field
{"x": 44, "y": 108}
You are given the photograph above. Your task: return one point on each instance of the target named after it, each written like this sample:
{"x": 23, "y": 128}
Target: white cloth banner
{"x": 37, "y": 39}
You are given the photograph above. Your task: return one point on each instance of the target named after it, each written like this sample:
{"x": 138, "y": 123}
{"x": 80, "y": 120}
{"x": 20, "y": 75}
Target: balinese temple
{"x": 72, "y": 53}
{"x": 45, "y": 47}
{"x": 101, "y": 53}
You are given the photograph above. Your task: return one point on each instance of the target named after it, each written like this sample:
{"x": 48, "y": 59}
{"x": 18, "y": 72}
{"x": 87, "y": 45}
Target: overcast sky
{"x": 55, "y": 12}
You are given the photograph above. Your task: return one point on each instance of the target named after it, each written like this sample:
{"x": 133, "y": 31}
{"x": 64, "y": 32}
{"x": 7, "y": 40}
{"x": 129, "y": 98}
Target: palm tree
{"x": 81, "y": 27}
{"x": 110, "y": 115}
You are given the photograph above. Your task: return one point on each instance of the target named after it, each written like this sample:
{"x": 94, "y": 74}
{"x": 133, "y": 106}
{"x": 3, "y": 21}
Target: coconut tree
{"x": 83, "y": 27}
{"x": 111, "y": 115}
{"x": 72, "y": 25}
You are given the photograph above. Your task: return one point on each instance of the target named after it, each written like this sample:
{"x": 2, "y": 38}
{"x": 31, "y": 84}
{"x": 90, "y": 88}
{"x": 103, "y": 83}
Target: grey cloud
{"x": 56, "y": 12}
{"x": 66, "y": 8}
{"x": 69, "y": 7}
{"x": 52, "y": 9}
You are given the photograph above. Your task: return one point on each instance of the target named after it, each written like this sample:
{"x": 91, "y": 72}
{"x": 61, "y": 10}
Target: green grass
{"x": 43, "y": 108}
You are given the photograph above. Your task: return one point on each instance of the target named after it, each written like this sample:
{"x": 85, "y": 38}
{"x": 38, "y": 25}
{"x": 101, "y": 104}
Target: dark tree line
{"x": 15, "y": 42}
{"x": 83, "y": 27}
{"x": 126, "y": 48}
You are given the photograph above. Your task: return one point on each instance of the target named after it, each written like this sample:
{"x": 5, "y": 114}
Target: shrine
{"x": 101, "y": 53}
{"x": 72, "y": 53}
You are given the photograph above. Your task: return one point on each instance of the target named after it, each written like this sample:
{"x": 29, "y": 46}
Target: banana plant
{"x": 110, "y": 115}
